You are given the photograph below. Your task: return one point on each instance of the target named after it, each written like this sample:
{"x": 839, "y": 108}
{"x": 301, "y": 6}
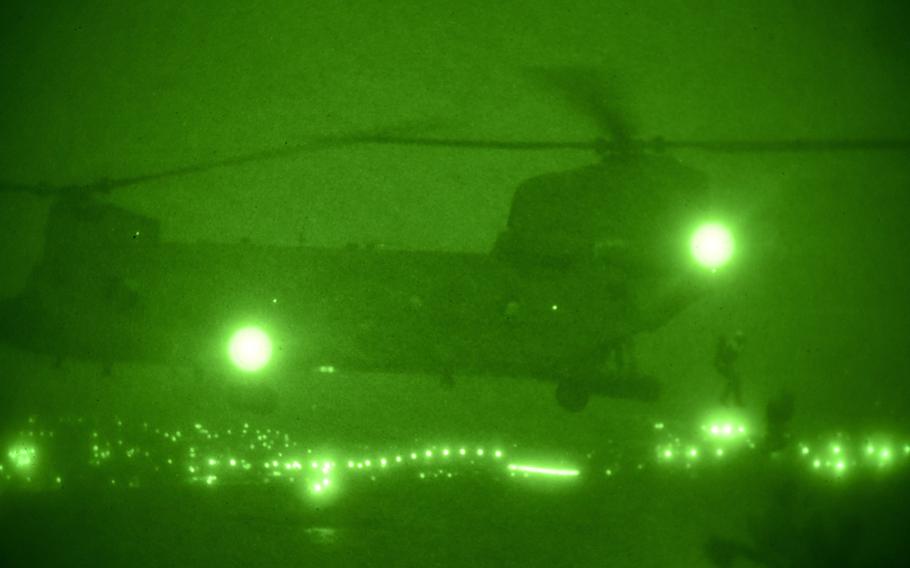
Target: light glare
{"x": 712, "y": 245}
{"x": 250, "y": 349}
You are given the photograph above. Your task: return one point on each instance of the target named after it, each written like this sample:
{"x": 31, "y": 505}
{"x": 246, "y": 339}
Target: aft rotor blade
{"x": 106, "y": 185}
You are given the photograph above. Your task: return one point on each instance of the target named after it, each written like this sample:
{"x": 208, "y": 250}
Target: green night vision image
{"x": 397, "y": 283}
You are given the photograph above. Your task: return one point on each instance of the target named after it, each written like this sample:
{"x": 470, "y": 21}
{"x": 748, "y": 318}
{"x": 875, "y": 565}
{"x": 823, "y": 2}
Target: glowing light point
{"x": 817, "y": 463}
{"x": 397, "y": 459}
{"x": 22, "y": 456}
{"x": 250, "y": 349}
{"x": 462, "y": 451}
{"x": 712, "y": 245}
{"x": 693, "y": 452}
{"x": 480, "y": 452}
{"x": 498, "y": 454}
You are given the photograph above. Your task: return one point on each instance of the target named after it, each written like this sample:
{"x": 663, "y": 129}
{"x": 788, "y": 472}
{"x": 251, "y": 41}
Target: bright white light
{"x": 712, "y": 245}
{"x": 250, "y": 349}
{"x": 544, "y": 470}
{"x": 22, "y": 456}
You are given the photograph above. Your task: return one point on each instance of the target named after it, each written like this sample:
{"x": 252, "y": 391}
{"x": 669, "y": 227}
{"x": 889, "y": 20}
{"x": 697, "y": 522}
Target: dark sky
{"x": 100, "y": 89}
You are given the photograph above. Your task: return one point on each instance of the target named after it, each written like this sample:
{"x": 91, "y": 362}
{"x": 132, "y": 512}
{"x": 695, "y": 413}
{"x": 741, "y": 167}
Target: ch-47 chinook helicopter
{"x": 589, "y": 258}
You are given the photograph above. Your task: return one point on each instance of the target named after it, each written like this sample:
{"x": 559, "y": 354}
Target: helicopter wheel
{"x": 573, "y": 395}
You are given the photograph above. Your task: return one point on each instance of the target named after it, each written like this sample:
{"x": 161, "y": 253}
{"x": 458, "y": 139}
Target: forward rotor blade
{"x": 654, "y": 145}
{"x": 782, "y": 146}
{"x": 466, "y": 143}
{"x": 590, "y": 93}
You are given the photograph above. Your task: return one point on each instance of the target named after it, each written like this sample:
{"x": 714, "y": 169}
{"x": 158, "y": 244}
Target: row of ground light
{"x": 723, "y": 441}
{"x": 145, "y": 455}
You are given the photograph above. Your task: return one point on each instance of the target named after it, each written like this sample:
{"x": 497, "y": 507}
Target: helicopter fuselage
{"x": 363, "y": 309}
{"x": 586, "y": 262}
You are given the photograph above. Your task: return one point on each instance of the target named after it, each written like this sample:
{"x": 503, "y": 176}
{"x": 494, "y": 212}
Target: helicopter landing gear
{"x": 618, "y": 360}
{"x": 609, "y": 372}
{"x": 573, "y": 394}
{"x": 619, "y": 377}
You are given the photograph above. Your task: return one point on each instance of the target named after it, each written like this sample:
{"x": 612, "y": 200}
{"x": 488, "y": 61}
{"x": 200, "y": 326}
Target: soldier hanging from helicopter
{"x": 725, "y": 358}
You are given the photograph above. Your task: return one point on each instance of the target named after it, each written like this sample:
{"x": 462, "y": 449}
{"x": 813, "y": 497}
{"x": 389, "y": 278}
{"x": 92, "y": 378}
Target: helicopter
{"x": 589, "y": 258}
